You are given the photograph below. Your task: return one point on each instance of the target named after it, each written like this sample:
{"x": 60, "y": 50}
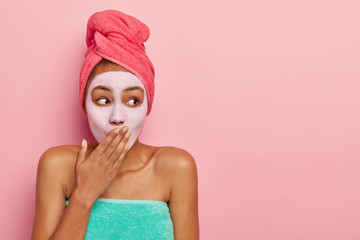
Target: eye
{"x": 133, "y": 101}
{"x": 102, "y": 101}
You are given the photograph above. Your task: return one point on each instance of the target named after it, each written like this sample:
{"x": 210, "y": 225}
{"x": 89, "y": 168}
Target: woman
{"x": 116, "y": 187}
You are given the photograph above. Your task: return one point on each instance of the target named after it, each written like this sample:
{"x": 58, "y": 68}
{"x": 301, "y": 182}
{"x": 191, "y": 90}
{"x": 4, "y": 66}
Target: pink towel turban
{"x": 119, "y": 38}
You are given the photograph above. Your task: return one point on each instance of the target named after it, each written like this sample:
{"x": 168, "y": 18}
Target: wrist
{"x": 82, "y": 198}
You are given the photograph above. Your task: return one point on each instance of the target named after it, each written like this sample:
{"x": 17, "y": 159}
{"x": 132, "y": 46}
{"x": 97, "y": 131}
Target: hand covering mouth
{"x": 107, "y": 132}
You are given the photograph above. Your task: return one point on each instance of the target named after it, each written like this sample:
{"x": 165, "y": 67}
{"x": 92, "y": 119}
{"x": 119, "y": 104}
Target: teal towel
{"x": 129, "y": 219}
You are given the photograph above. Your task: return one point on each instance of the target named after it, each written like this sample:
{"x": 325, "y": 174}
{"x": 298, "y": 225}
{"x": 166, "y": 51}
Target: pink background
{"x": 264, "y": 95}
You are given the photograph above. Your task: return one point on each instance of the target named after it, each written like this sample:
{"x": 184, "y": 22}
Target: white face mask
{"x": 109, "y": 110}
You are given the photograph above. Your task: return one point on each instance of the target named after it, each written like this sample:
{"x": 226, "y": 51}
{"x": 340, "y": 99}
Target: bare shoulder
{"x": 58, "y": 161}
{"x": 58, "y": 156}
{"x": 174, "y": 160}
{"x": 61, "y": 150}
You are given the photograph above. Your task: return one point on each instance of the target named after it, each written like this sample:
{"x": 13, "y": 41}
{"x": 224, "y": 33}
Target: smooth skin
{"x": 108, "y": 170}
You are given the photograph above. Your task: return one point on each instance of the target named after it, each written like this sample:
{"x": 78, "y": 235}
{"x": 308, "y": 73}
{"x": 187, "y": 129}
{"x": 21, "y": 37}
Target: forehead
{"x": 116, "y": 80}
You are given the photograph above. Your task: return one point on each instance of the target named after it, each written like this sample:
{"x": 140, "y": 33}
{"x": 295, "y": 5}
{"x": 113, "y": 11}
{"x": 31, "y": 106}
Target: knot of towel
{"x": 119, "y": 38}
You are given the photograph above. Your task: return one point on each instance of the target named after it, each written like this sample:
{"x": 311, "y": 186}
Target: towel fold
{"x": 119, "y": 38}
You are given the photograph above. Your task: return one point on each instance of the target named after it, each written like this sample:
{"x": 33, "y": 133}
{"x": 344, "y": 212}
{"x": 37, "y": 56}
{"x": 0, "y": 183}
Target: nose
{"x": 117, "y": 116}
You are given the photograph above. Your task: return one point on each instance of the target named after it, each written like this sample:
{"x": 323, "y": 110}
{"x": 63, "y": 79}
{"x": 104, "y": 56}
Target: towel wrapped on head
{"x": 119, "y": 38}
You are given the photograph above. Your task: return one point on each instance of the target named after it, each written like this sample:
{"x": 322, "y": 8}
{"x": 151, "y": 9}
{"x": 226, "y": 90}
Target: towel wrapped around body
{"x": 122, "y": 219}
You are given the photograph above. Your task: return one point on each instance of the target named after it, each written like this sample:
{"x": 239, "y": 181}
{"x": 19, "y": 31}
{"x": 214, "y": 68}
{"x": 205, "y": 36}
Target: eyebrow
{"x": 125, "y": 90}
{"x": 102, "y": 88}
{"x": 133, "y": 88}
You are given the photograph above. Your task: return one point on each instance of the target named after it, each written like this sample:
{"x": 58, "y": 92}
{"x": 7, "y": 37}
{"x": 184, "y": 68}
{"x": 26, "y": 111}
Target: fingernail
{"x": 125, "y": 128}
{"x": 126, "y": 146}
{"x": 83, "y": 143}
{"x": 117, "y": 130}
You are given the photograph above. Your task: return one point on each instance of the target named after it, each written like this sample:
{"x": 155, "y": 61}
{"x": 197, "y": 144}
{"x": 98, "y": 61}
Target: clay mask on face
{"x": 103, "y": 116}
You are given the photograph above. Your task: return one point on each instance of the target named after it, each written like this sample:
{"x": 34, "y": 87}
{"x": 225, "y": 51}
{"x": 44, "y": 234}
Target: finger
{"x": 119, "y": 149}
{"x": 81, "y": 153}
{"x": 114, "y": 143}
{"x": 117, "y": 163}
{"x": 100, "y": 149}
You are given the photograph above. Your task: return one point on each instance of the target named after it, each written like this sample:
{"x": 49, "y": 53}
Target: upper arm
{"x": 50, "y": 196}
{"x": 183, "y": 203}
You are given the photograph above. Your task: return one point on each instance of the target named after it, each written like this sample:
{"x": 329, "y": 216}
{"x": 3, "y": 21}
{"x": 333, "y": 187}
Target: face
{"x": 116, "y": 98}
